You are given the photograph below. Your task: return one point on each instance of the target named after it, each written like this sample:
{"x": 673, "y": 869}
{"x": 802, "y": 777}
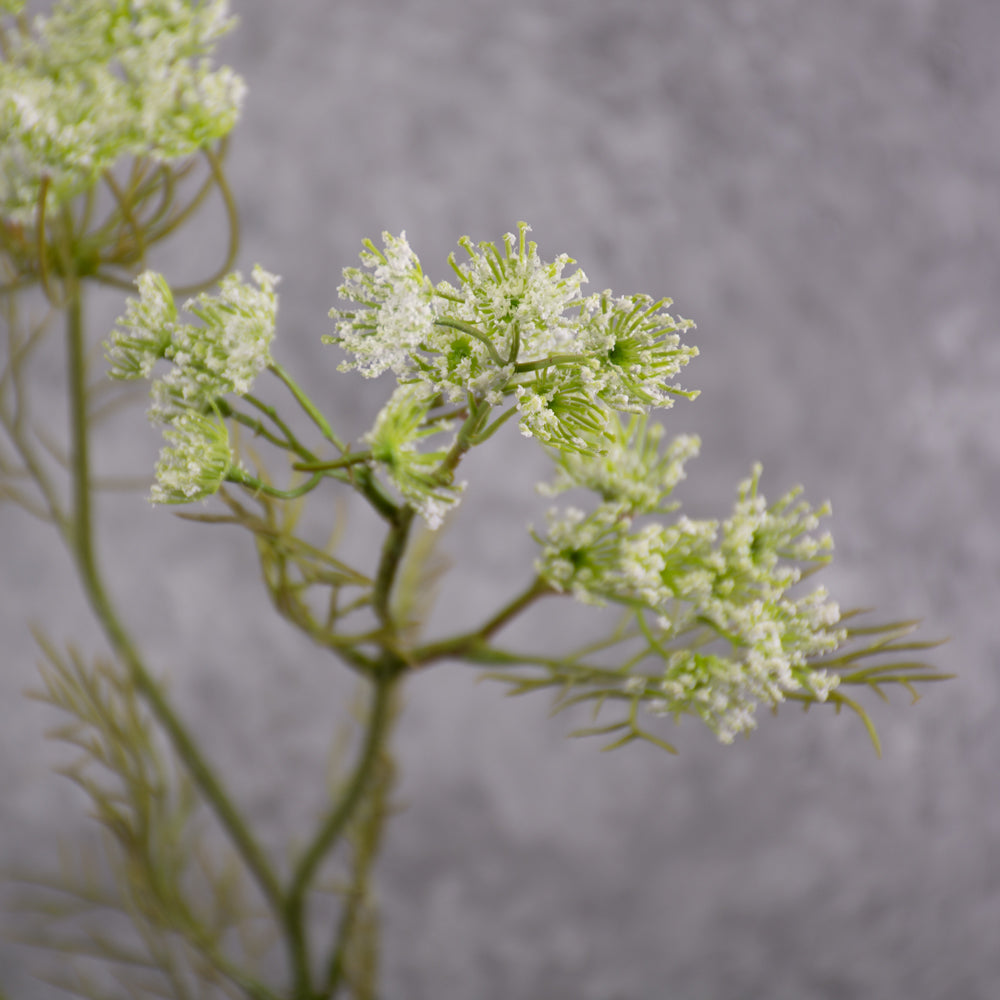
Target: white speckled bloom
{"x": 396, "y": 315}
{"x": 97, "y": 80}
{"x": 195, "y": 462}
{"x": 224, "y": 354}
{"x": 145, "y": 332}
{"x": 631, "y": 469}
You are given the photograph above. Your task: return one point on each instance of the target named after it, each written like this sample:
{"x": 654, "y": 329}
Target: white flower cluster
{"x": 631, "y": 470}
{"x": 101, "y": 79}
{"x": 195, "y": 462}
{"x": 730, "y": 579}
{"x": 221, "y": 355}
{"x": 513, "y": 327}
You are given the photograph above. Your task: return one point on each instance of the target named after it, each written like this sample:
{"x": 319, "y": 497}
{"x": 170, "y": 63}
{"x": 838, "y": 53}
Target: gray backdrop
{"x": 816, "y": 185}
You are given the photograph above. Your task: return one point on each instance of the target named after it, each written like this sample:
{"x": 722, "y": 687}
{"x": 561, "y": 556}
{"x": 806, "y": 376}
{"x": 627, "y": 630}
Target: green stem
{"x": 460, "y": 645}
{"x": 335, "y": 822}
{"x": 308, "y": 405}
{"x": 232, "y": 217}
{"x": 337, "y": 463}
{"x": 472, "y": 331}
{"x": 258, "y": 486}
{"x": 80, "y": 537}
{"x": 291, "y": 441}
{"x": 555, "y": 359}
{"x": 392, "y": 554}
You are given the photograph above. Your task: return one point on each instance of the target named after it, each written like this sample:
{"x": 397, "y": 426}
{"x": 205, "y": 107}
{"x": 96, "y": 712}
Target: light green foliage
{"x": 96, "y": 81}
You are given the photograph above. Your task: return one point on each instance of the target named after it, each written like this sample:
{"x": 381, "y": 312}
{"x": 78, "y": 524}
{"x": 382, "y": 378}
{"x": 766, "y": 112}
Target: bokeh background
{"x": 816, "y": 184}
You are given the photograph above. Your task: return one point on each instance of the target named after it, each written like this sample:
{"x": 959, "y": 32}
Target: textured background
{"x": 816, "y": 184}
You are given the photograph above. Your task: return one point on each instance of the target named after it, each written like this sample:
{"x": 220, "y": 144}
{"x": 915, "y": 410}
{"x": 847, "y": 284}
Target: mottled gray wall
{"x": 816, "y": 184}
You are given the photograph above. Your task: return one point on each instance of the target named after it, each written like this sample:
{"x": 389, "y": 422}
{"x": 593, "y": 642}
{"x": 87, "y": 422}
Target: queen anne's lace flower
{"x": 631, "y": 469}
{"x": 508, "y": 307}
{"x": 729, "y": 581}
{"x": 396, "y": 314}
{"x": 145, "y": 332}
{"x": 195, "y": 462}
{"x": 639, "y": 349}
{"x": 223, "y": 354}
{"x": 102, "y": 79}
{"x": 513, "y": 293}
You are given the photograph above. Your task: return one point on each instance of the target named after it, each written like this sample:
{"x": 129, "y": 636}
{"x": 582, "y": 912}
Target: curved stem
{"x": 81, "y": 540}
{"x": 232, "y": 216}
{"x": 138, "y": 252}
{"x": 40, "y": 248}
{"x": 258, "y": 486}
{"x": 459, "y": 645}
{"x": 555, "y": 359}
{"x": 272, "y": 414}
{"x": 472, "y": 331}
{"x": 337, "y": 463}
{"x": 307, "y": 405}
{"x": 335, "y": 823}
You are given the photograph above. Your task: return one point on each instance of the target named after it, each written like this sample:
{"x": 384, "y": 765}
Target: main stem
{"x": 336, "y": 821}
{"x": 81, "y": 540}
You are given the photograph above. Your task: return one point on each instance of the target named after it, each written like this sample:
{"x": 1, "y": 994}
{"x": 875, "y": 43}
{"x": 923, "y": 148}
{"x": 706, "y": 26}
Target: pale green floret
{"x": 224, "y": 354}
{"x": 581, "y": 552}
{"x": 101, "y": 79}
{"x": 145, "y": 332}
{"x": 559, "y": 408}
{"x": 638, "y": 350}
{"x": 396, "y": 314}
{"x": 398, "y": 429}
{"x": 512, "y": 293}
{"x": 195, "y": 463}
{"x": 631, "y": 470}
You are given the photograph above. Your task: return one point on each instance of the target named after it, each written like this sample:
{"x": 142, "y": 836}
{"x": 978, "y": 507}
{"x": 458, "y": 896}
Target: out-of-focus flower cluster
{"x": 711, "y": 600}
{"x": 220, "y": 355}
{"x": 97, "y": 80}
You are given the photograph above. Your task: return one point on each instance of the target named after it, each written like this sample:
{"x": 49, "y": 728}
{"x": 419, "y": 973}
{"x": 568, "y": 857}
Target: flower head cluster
{"x": 195, "y": 462}
{"x": 639, "y": 350}
{"x": 400, "y": 426}
{"x": 513, "y": 328}
{"x": 395, "y": 315}
{"x": 630, "y": 469}
{"x": 729, "y": 582}
{"x": 102, "y": 79}
{"x": 220, "y": 355}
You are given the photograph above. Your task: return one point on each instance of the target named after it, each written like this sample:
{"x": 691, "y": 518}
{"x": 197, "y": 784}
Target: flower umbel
{"x": 100, "y": 80}
{"x": 196, "y": 461}
{"x": 222, "y": 355}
